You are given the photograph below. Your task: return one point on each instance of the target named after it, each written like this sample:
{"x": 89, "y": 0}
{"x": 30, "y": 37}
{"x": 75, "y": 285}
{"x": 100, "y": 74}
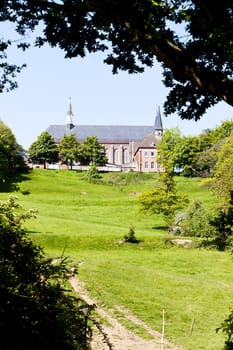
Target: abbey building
{"x": 128, "y": 147}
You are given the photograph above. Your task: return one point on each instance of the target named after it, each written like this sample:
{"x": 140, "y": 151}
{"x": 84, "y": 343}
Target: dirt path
{"x": 118, "y": 337}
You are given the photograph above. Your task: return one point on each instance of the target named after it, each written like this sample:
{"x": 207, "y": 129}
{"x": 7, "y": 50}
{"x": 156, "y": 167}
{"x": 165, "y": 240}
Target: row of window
{"x": 152, "y": 165}
{"x": 146, "y": 154}
{"x": 125, "y": 156}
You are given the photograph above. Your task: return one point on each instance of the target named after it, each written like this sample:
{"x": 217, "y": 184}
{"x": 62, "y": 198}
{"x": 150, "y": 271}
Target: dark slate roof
{"x": 104, "y": 133}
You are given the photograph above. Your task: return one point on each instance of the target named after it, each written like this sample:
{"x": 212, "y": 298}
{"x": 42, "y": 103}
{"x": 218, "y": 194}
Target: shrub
{"x": 227, "y": 328}
{"x": 195, "y": 222}
{"x": 223, "y": 224}
{"x": 36, "y": 309}
{"x": 130, "y": 237}
{"x": 93, "y": 173}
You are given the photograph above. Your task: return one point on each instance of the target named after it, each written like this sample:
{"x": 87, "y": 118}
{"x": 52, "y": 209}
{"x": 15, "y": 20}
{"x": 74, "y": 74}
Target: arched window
{"x": 125, "y": 156}
{"x": 116, "y": 156}
{"x": 107, "y": 153}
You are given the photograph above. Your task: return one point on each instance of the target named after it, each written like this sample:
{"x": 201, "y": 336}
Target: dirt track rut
{"x": 118, "y": 337}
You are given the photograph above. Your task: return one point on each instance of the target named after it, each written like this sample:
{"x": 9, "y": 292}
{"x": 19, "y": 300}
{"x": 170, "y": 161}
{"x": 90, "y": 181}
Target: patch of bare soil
{"x": 112, "y": 335}
{"x": 136, "y": 194}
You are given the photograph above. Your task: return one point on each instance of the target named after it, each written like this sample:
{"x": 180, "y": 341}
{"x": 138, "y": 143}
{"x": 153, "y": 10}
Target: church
{"x": 127, "y": 147}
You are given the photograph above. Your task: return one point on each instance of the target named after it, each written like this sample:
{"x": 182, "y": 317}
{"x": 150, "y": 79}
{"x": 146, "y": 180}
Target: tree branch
{"x": 185, "y": 68}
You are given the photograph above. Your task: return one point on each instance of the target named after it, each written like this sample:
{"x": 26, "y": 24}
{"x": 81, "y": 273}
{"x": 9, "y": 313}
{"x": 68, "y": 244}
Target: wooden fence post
{"x": 191, "y": 327}
{"x": 163, "y": 330}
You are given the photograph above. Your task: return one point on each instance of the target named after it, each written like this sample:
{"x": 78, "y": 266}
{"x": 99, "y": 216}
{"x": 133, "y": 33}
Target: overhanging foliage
{"x": 192, "y": 40}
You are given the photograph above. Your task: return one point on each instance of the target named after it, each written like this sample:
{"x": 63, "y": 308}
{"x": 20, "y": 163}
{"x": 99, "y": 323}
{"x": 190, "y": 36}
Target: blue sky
{"x": 98, "y": 97}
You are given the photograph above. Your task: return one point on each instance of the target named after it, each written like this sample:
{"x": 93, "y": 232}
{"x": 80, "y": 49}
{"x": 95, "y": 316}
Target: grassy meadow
{"x": 87, "y": 222}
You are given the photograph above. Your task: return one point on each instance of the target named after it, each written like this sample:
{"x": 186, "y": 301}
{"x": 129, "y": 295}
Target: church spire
{"x": 69, "y": 113}
{"x": 158, "y": 121}
{"x": 158, "y": 125}
{"x": 69, "y": 120}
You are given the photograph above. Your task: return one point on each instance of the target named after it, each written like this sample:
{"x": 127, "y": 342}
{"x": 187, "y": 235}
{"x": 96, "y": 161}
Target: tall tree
{"x": 168, "y": 148}
{"x": 222, "y": 182}
{"x": 197, "y": 61}
{"x": 222, "y": 131}
{"x": 210, "y": 143}
{"x": 191, "y": 155}
{"x": 164, "y": 199}
{"x": 10, "y": 157}
{"x": 187, "y": 155}
{"x": 68, "y": 149}
{"x": 44, "y": 149}
{"x": 206, "y": 160}
{"x": 92, "y": 152}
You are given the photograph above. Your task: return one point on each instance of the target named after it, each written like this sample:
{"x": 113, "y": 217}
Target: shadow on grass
{"x": 133, "y": 241}
{"x": 11, "y": 184}
{"x": 37, "y": 232}
{"x": 160, "y": 228}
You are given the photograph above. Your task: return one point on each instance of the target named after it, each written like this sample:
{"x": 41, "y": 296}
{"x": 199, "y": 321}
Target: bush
{"x": 195, "y": 222}
{"x": 36, "y": 309}
{"x": 130, "y": 237}
{"x": 227, "y": 328}
{"x": 223, "y": 224}
{"x": 93, "y": 173}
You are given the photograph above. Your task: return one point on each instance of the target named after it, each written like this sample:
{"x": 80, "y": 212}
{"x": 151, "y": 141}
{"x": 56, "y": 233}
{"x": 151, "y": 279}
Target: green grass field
{"x": 87, "y": 222}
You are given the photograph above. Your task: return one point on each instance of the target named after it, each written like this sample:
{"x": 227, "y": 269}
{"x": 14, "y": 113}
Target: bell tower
{"x": 69, "y": 118}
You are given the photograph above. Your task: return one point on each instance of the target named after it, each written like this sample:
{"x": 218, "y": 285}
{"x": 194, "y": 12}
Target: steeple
{"x": 158, "y": 126}
{"x": 69, "y": 120}
{"x": 158, "y": 120}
